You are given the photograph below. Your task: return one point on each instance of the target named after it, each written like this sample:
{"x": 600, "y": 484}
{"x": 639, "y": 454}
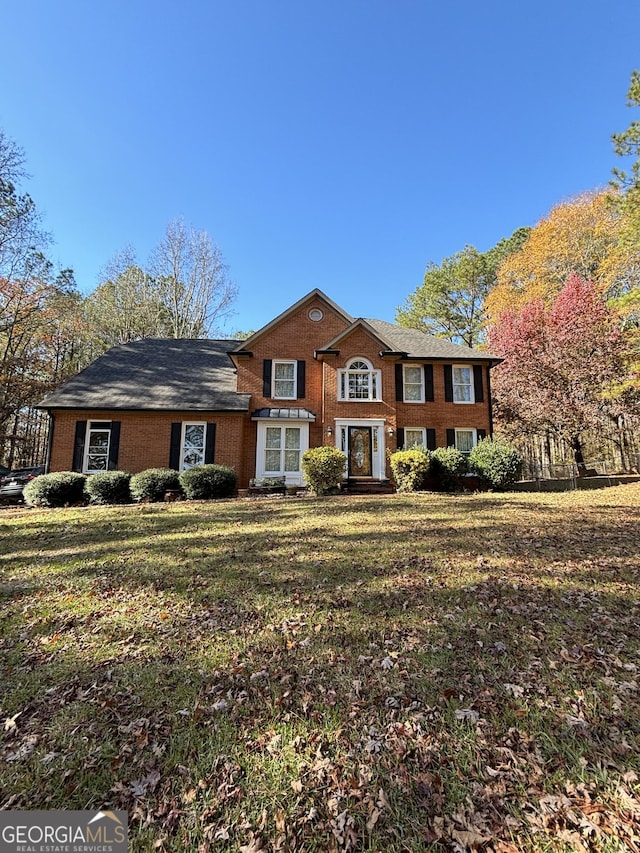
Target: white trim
{"x": 422, "y": 430}
{"x": 472, "y": 393}
{"x": 185, "y": 424}
{"x": 474, "y": 437}
{"x": 378, "y": 450}
{"x": 293, "y": 478}
{"x": 276, "y": 361}
{"x": 374, "y": 386}
{"x": 100, "y": 426}
{"x": 406, "y": 367}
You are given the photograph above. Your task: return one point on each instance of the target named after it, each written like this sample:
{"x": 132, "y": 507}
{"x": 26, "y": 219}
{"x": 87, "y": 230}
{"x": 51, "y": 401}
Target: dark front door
{"x": 360, "y": 452}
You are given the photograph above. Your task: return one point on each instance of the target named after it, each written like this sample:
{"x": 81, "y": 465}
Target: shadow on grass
{"x": 141, "y": 641}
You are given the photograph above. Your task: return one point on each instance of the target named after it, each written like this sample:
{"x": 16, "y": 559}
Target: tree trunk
{"x": 576, "y": 446}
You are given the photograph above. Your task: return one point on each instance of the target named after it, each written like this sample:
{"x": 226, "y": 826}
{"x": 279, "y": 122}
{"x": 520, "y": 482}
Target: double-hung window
{"x": 465, "y": 440}
{"x": 463, "y": 384}
{"x": 282, "y": 449}
{"x": 284, "y": 380}
{"x": 413, "y": 384}
{"x": 359, "y": 381}
{"x": 414, "y": 437}
{"x": 97, "y": 447}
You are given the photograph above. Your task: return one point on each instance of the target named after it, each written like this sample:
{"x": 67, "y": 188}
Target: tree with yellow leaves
{"x": 579, "y": 236}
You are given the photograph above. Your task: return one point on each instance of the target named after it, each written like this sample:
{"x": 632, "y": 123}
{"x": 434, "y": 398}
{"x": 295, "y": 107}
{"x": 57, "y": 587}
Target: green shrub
{"x": 410, "y": 468}
{"x": 496, "y": 462}
{"x": 150, "y": 485}
{"x": 324, "y": 468}
{"x": 204, "y": 482}
{"x": 448, "y": 465}
{"x": 109, "y": 487}
{"x": 61, "y": 488}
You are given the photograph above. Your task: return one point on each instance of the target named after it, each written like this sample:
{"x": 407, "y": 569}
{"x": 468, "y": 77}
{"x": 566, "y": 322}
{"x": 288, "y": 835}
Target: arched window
{"x": 359, "y": 381}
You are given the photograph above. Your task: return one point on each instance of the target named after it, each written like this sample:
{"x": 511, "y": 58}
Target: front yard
{"x": 394, "y": 673}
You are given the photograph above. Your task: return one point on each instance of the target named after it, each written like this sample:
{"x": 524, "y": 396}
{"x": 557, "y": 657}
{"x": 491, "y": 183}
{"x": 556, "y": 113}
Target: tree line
{"x": 560, "y": 304}
{"x": 49, "y": 330}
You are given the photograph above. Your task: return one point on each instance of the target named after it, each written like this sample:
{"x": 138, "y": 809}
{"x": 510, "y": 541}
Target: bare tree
{"x": 192, "y": 281}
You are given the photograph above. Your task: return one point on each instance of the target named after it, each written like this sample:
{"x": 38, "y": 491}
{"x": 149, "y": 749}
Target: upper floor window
{"x": 413, "y": 384}
{"x": 359, "y": 381}
{"x": 463, "y": 384}
{"x": 284, "y": 380}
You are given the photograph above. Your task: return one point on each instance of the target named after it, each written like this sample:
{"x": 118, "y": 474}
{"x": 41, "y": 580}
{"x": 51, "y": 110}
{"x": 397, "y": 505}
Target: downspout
{"x": 489, "y": 400}
{"x": 52, "y": 422}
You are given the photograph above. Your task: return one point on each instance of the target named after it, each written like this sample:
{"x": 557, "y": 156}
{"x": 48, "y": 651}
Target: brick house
{"x": 312, "y": 376}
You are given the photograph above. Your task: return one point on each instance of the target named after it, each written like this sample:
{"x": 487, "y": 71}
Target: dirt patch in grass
{"x": 394, "y": 673}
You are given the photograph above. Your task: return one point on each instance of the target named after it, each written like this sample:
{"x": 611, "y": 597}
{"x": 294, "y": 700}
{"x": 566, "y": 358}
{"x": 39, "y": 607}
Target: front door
{"x": 360, "y": 462}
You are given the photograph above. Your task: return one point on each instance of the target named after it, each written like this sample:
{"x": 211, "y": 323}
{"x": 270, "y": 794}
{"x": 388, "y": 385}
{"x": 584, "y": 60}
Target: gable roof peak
{"x": 316, "y": 293}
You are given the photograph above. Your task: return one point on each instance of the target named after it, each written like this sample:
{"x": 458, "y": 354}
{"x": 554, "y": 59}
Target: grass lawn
{"x": 394, "y": 673}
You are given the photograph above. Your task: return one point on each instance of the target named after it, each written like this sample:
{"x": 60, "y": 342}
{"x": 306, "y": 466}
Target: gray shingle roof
{"x": 421, "y": 345}
{"x": 156, "y": 374}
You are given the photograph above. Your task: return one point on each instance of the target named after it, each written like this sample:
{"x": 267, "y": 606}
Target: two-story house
{"x": 312, "y": 376}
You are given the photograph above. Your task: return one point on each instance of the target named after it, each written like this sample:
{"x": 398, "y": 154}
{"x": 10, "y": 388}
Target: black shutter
{"x": 478, "y": 389}
{"x": 451, "y": 438}
{"x": 448, "y": 383}
{"x": 428, "y": 383}
{"x": 78, "y": 445}
{"x": 210, "y": 443}
{"x": 301, "y": 371}
{"x": 431, "y": 439}
{"x": 266, "y": 377}
{"x": 481, "y": 433}
{"x": 399, "y": 383}
{"x": 174, "y": 446}
{"x": 114, "y": 445}
{"x": 400, "y": 435}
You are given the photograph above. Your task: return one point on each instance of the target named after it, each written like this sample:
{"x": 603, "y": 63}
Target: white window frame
{"x": 405, "y": 383}
{"x": 474, "y": 438}
{"x": 185, "y": 425}
{"x": 465, "y": 385}
{"x": 423, "y": 440}
{"x": 274, "y": 379}
{"x": 374, "y": 381}
{"x": 93, "y": 427}
{"x": 292, "y": 477}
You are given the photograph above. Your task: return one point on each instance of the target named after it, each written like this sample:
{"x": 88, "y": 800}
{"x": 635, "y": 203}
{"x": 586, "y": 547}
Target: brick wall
{"x": 145, "y": 437}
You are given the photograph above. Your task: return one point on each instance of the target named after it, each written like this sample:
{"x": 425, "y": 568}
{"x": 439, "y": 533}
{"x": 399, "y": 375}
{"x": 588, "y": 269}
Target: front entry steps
{"x": 368, "y": 486}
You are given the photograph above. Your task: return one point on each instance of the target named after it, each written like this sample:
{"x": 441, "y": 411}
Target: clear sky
{"x": 339, "y": 144}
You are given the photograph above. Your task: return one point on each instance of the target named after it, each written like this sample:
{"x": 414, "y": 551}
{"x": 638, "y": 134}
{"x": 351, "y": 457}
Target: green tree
{"x": 450, "y": 302}
{"x": 627, "y": 144}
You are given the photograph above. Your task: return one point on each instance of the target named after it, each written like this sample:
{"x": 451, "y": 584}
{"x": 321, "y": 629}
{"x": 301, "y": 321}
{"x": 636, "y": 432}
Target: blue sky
{"x": 340, "y": 144}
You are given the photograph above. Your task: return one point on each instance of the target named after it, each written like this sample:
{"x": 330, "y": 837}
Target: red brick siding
{"x": 145, "y": 437}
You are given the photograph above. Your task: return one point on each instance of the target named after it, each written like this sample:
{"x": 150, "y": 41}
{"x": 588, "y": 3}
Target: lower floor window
{"x": 414, "y": 437}
{"x": 282, "y": 449}
{"x": 465, "y": 440}
{"x": 193, "y": 445}
{"x": 97, "y": 447}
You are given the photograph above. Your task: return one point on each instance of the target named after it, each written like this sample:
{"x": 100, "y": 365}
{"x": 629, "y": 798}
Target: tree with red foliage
{"x": 562, "y": 365}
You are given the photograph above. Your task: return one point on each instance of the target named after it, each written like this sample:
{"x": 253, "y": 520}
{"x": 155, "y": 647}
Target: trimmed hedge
{"x": 204, "y": 482}
{"x": 410, "y": 468}
{"x": 496, "y": 462}
{"x": 151, "y": 485}
{"x": 109, "y": 487}
{"x": 62, "y": 488}
{"x": 323, "y": 469}
{"x": 448, "y": 465}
